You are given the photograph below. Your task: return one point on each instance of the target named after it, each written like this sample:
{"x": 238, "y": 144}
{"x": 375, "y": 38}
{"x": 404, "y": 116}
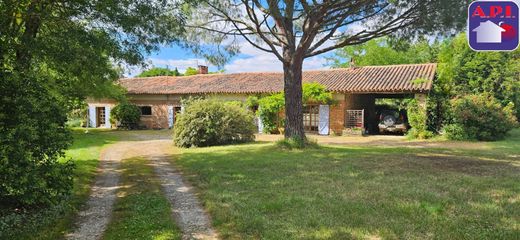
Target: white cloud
{"x": 256, "y": 60}
{"x": 267, "y": 62}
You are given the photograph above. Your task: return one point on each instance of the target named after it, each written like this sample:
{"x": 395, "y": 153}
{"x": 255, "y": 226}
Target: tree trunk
{"x": 293, "y": 97}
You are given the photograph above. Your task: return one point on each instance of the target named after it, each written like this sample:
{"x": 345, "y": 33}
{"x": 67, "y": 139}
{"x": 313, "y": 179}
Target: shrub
{"x": 212, "y": 122}
{"x": 268, "y": 110}
{"x": 455, "y": 132}
{"x": 417, "y": 117}
{"x": 482, "y": 117}
{"x": 33, "y": 138}
{"x": 128, "y": 115}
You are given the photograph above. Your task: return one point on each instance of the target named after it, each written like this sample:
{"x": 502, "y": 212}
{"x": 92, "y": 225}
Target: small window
{"x": 146, "y": 110}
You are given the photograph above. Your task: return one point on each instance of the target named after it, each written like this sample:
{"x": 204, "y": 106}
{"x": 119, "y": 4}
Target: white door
{"x": 92, "y": 116}
{"x": 323, "y": 126}
{"x": 107, "y": 117}
{"x": 170, "y": 116}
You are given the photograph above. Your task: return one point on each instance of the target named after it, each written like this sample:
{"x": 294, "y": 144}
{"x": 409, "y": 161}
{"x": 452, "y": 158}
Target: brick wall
{"x": 337, "y": 117}
{"x": 158, "y": 119}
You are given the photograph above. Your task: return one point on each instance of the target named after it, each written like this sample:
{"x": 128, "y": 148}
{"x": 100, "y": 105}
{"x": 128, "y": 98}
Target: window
{"x": 146, "y": 110}
{"x": 311, "y": 117}
{"x": 100, "y": 116}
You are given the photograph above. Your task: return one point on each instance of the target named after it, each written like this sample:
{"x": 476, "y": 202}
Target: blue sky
{"x": 249, "y": 60}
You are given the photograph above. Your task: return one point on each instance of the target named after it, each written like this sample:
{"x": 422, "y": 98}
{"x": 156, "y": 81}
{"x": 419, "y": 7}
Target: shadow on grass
{"x": 259, "y": 191}
{"x": 98, "y": 137}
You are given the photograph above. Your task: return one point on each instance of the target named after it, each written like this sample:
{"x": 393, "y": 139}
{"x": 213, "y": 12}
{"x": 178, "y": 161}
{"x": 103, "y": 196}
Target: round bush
{"x": 482, "y": 117}
{"x": 128, "y": 115}
{"x": 211, "y": 122}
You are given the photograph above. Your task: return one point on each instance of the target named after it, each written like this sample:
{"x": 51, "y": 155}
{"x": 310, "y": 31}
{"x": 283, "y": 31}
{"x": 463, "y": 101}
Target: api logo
{"x": 493, "y": 26}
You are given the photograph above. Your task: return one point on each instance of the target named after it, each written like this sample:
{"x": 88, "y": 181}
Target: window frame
{"x": 142, "y": 112}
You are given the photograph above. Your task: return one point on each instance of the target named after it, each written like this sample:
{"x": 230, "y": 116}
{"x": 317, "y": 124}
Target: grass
{"x": 52, "y": 223}
{"x": 141, "y": 210}
{"x": 257, "y": 191}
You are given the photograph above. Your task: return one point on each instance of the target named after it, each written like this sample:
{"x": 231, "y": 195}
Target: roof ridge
{"x": 267, "y": 72}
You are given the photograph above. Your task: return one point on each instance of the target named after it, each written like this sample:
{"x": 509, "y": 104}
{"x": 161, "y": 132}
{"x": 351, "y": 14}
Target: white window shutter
{"x": 92, "y": 116}
{"x": 107, "y": 117}
{"x": 170, "y": 116}
{"x": 323, "y": 125}
{"x": 260, "y": 123}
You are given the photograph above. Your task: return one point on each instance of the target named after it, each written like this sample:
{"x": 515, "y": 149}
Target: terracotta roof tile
{"x": 370, "y": 79}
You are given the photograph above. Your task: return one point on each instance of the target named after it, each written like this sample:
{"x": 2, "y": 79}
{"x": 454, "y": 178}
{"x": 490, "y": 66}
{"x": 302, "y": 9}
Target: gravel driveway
{"x": 186, "y": 209}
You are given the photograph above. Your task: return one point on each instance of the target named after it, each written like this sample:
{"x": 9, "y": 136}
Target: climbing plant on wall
{"x": 271, "y": 106}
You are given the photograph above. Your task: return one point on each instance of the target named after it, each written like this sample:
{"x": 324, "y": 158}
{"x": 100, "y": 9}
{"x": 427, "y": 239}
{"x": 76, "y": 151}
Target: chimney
{"x": 203, "y": 69}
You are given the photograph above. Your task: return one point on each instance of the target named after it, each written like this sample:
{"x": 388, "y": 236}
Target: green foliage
{"x": 53, "y": 54}
{"x": 455, "y": 132}
{"x": 397, "y": 103}
{"x": 271, "y": 106}
{"x": 417, "y": 118}
{"x": 462, "y": 71}
{"x": 32, "y": 126}
{"x": 385, "y": 51}
{"x": 212, "y": 122}
{"x": 126, "y": 114}
{"x": 316, "y": 93}
{"x": 191, "y": 71}
{"x": 158, "y": 71}
{"x": 252, "y": 102}
{"x": 482, "y": 117}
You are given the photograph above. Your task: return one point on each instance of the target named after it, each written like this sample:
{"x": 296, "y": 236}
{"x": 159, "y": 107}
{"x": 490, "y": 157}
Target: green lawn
{"x": 141, "y": 211}
{"x": 52, "y": 223}
{"x": 258, "y": 191}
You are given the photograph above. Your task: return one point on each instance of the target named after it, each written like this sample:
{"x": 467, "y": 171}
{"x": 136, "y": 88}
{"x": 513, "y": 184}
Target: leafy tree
{"x": 384, "y": 51}
{"x": 32, "y": 126}
{"x": 54, "y": 53}
{"x": 462, "y": 71}
{"x": 158, "y": 71}
{"x": 191, "y": 71}
{"x": 295, "y": 30}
